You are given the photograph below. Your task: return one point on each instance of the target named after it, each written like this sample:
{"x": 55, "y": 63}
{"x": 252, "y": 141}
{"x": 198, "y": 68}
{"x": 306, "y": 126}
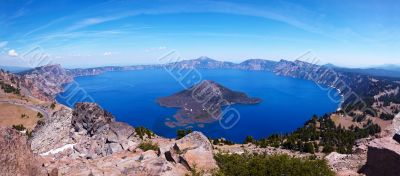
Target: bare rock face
{"x": 383, "y": 158}
{"x": 87, "y": 140}
{"x": 16, "y": 157}
{"x": 97, "y": 134}
{"x": 193, "y": 151}
{"x": 54, "y": 133}
{"x": 90, "y": 118}
{"x": 345, "y": 164}
{"x": 88, "y": 129}
{"x": 115, "y": 137}
{"x": 121, "y": 163}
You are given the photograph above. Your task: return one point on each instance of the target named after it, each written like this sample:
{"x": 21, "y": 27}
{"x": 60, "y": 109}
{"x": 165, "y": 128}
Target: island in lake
{"x": 202, "y": 103}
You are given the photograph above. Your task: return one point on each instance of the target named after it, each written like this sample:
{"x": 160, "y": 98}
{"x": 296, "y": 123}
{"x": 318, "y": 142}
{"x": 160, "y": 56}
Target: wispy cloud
{"x": 3, "y": 44}
{"x": 160, "y": 48}
{"x": 283, "y": 14}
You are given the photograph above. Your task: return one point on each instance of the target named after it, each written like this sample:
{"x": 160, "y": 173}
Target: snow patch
{"x": 57, "y": 150}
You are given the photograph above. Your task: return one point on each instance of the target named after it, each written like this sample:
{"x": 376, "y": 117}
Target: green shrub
{"x": 40, "y": 122}
{"x": 29, "y": 133}
{"x": 142, "y": 131}
{"x": 19, "y": 127}
{"x": 53, "y": 105}
{"x": 182, "y": 133}
{"x": 385, "y": 116}
{"x": 249, "y": 139}
{"x": 148, "y": 145}
{"x": 327, "y": 134}
{"x": 275, "y": 165}
{"x": 9, "y": 88}
{"x": 222, "y": 142}
{"x": 39, "y": 115}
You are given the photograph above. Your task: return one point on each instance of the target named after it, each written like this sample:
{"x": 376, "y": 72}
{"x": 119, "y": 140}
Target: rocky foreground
{"x": 88, "y": 140}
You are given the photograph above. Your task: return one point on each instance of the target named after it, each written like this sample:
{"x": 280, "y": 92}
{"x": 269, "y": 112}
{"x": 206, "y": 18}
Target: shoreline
{"x": 341, "y": 95}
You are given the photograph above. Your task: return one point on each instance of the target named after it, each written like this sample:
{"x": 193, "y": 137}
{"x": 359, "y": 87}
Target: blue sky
{"x": 78, "y": 33}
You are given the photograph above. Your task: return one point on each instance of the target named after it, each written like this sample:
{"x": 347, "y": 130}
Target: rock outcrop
{"x": 88, "y": 140}
{"x": 383, "y": 158}
{"x": 121, "y": 163}
{"x": 97, "y": 134}
{"x": 53, "y": 133}
{"x": 194, "y": 151}
{"x": 89, "y": 118}
{"x": 16, "y": 157}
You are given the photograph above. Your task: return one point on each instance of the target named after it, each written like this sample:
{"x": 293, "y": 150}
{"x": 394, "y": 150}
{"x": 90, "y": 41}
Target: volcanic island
{"x": 202, "y": 103}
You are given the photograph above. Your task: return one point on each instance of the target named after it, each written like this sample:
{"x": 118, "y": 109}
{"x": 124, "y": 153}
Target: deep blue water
{"x": 131, "y": 97}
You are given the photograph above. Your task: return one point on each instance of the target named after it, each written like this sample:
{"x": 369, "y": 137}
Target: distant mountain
{"x": 14, "y": 69}
{"x": 257, "y": 64}
{"x": 391, "y": 67}
{"x": 199, "y": 63}
{"x": 250, "y": 64}
{"x": 329, "y": 65}
{"x": 372, "y": 71}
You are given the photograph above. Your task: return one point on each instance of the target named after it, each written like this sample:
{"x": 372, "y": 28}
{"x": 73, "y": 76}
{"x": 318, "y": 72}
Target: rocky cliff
{"x": 88, "y": 140}
{"x": 44, "y": 82}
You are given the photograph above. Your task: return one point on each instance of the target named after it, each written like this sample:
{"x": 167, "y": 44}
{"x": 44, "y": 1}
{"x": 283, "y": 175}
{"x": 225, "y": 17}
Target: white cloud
{"x": 12, "y": 53}
{"x": 3, "y": 44}
{"x": 107, "y": 54}
{"x": 155, "y": 49}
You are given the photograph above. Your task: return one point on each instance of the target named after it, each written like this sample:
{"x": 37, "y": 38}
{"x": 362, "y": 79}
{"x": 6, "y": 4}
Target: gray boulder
{"x": 90, "y": 118}
{"x": 193, "y": 150}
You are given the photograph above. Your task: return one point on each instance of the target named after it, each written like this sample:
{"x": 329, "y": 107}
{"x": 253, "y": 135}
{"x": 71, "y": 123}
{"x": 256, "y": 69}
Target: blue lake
{"x": 131, "y": 96}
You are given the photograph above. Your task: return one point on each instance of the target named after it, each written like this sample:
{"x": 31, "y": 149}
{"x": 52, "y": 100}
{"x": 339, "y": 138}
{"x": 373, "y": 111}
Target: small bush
{"x": 385, "y": 116}
{"x": 53, "y": 105}
{"x": 39, "y": 115}
{"x": 40, "y": 122}
{"x": 29, "y": 133}
{"x": 222, "y": 142}
{"x": 19, "y": 127}
{"x": 249, "y": 139}
{"x": 142, "y": 131}
{"x": 148, "y": 145}
{"x": 24, "y": 116}
{"x": 249, "y": 164}
{"x": 182, "y": 133}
